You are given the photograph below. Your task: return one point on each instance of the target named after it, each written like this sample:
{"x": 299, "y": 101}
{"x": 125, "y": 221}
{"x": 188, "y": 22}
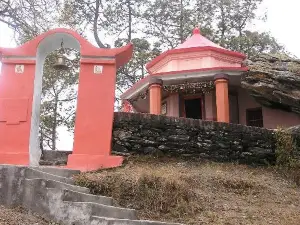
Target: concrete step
{"x": 63, "y": 186}
{"x": 113, "y": 212}
{"x": 31, "y": 173}
{"x": 62, "y": 172}
{"x": 74, "y": 196}
{"x": 52, "y": 184}
{"x": 52, "y": 163}
{"x": 100, "y": 210}
{"x": 95, "y": 220}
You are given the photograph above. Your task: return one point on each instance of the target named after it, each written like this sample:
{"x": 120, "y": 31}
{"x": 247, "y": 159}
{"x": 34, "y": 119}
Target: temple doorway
{"x": 193, "y": 108}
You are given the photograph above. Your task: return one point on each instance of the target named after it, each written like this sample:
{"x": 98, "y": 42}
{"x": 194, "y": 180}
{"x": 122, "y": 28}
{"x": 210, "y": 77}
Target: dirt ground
{"x": 18, "y": 216}
{"x": 200, "y": 193}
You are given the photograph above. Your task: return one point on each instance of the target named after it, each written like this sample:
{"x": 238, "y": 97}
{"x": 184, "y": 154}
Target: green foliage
{"x": 287, "y": 153}
{"x": 288, "y": 156}
{"x": 135, "y": 69}
{"x": 253, "y": 43}
{"x": 169, "y": 22}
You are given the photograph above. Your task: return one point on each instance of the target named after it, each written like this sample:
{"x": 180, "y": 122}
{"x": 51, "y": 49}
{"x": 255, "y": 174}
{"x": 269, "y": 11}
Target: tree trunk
{"x": 95, "y": 25}
{"x": 181, "y": 22}
{"x": 129, "y": 20}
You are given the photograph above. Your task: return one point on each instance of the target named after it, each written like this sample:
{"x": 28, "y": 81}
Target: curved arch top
{"x": 52, "y": 39}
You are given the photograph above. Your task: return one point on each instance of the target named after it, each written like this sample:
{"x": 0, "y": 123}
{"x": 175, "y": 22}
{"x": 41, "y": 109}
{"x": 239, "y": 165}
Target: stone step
{"x": 100, "y": 210}
{"x": 62, "y": 172}
{"x": 56, "y": 185}
{"x": 63, "y": 186}
{"x": 31, "y": 173}
{"x": 52, "y": 163}
{"x": 73, "y": 196}
{"x": 95, "y": 220}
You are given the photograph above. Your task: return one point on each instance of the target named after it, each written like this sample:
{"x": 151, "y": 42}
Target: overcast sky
{"x": 283, "y": 17}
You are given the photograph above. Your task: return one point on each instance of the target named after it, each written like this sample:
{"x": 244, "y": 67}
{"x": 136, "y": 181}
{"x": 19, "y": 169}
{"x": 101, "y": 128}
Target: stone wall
{"x": 54, "y": 158}
{"x": 147, "y": 134}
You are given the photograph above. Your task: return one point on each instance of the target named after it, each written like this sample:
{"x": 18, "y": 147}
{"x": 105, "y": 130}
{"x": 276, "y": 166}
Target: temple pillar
{"x": 155, "y": 90}
{"x": 126, "y": 106}
{"x": 222, "y": 97}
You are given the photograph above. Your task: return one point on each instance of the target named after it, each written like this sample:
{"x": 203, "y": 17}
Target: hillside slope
{"x": 199, "y": 193}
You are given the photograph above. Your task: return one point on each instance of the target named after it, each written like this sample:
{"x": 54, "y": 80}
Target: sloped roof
{"x": 197, "y": 40}
{"x": 196, "y": 43}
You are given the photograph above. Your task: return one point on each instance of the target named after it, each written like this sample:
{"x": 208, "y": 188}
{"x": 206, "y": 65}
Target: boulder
{"x": 294, "y": 130}
{"x": 274, "y": 81}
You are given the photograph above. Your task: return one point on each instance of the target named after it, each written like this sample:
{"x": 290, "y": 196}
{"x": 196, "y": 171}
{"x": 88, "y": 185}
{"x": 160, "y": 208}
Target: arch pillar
{"x": 155, "y": 91}
{"x": 16, "y": 88}
{"x": 94, "y": 117}
{"x": 222, "y": 97}
{"x": 126, "y": 106}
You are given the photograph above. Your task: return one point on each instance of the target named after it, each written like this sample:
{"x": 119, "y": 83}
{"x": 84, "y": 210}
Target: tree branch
{"x": 95, "y": 25}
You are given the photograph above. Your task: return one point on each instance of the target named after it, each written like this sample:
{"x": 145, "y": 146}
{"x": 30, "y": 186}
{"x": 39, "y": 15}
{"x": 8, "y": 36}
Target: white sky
{"x": 283, "y": 17}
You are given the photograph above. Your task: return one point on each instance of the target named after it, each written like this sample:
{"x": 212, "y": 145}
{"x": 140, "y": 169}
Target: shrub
{"x": 148, "y": 192}
{"x": 287, "y": 155}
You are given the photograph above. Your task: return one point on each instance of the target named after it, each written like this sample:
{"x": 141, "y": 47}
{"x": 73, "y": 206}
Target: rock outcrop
{"x": 274, "y": 81}
{"x": 294, "y": 130}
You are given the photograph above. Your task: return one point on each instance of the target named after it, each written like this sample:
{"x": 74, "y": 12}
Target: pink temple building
{"x": 201, "y": 80}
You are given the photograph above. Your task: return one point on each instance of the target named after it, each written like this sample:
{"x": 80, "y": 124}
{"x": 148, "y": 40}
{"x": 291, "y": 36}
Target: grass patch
{"x": 194, "y": 193}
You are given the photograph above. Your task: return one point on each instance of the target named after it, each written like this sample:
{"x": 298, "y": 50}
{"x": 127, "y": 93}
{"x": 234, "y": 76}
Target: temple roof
{"x": 195, "y": 43}
{"x": 197, "y": 40}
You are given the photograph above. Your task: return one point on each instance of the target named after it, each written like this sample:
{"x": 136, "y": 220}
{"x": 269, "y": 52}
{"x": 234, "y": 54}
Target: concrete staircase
{"x": 51, "y": 193}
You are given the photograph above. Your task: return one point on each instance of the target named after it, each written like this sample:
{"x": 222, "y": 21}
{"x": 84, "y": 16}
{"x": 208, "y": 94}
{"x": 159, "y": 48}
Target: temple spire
{"x": 196, "y": 30}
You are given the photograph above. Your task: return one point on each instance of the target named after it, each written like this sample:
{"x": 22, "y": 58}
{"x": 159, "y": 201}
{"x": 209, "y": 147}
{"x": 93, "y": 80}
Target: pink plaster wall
{"x": 172, "y": 105}
{"x": 245, "y": 101}
{"x": 190, "y": 61}
{"x": 210, "y": 106}
{"x": 274, "y": 118}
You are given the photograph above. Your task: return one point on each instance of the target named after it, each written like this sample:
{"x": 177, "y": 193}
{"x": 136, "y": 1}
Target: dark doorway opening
{"x": 193, "y": 108}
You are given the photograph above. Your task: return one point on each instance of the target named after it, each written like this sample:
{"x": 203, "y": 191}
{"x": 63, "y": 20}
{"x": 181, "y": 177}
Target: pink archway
{"x": 20, "y": 96}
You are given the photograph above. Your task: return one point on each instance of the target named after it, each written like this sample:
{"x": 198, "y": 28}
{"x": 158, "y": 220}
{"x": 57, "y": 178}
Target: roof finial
{"x": 196, "y": 30}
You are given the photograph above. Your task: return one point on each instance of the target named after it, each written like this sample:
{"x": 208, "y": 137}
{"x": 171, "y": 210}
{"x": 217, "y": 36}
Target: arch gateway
{"x": 20, "y": 96}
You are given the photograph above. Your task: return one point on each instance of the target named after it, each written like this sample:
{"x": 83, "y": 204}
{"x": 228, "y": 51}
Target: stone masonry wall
{"x": 148, "y": 134}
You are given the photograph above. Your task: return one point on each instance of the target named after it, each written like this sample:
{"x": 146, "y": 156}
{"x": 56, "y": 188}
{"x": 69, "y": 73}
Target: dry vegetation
{"x": 19, "y": 216}
{"x": 199, "y": 193}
